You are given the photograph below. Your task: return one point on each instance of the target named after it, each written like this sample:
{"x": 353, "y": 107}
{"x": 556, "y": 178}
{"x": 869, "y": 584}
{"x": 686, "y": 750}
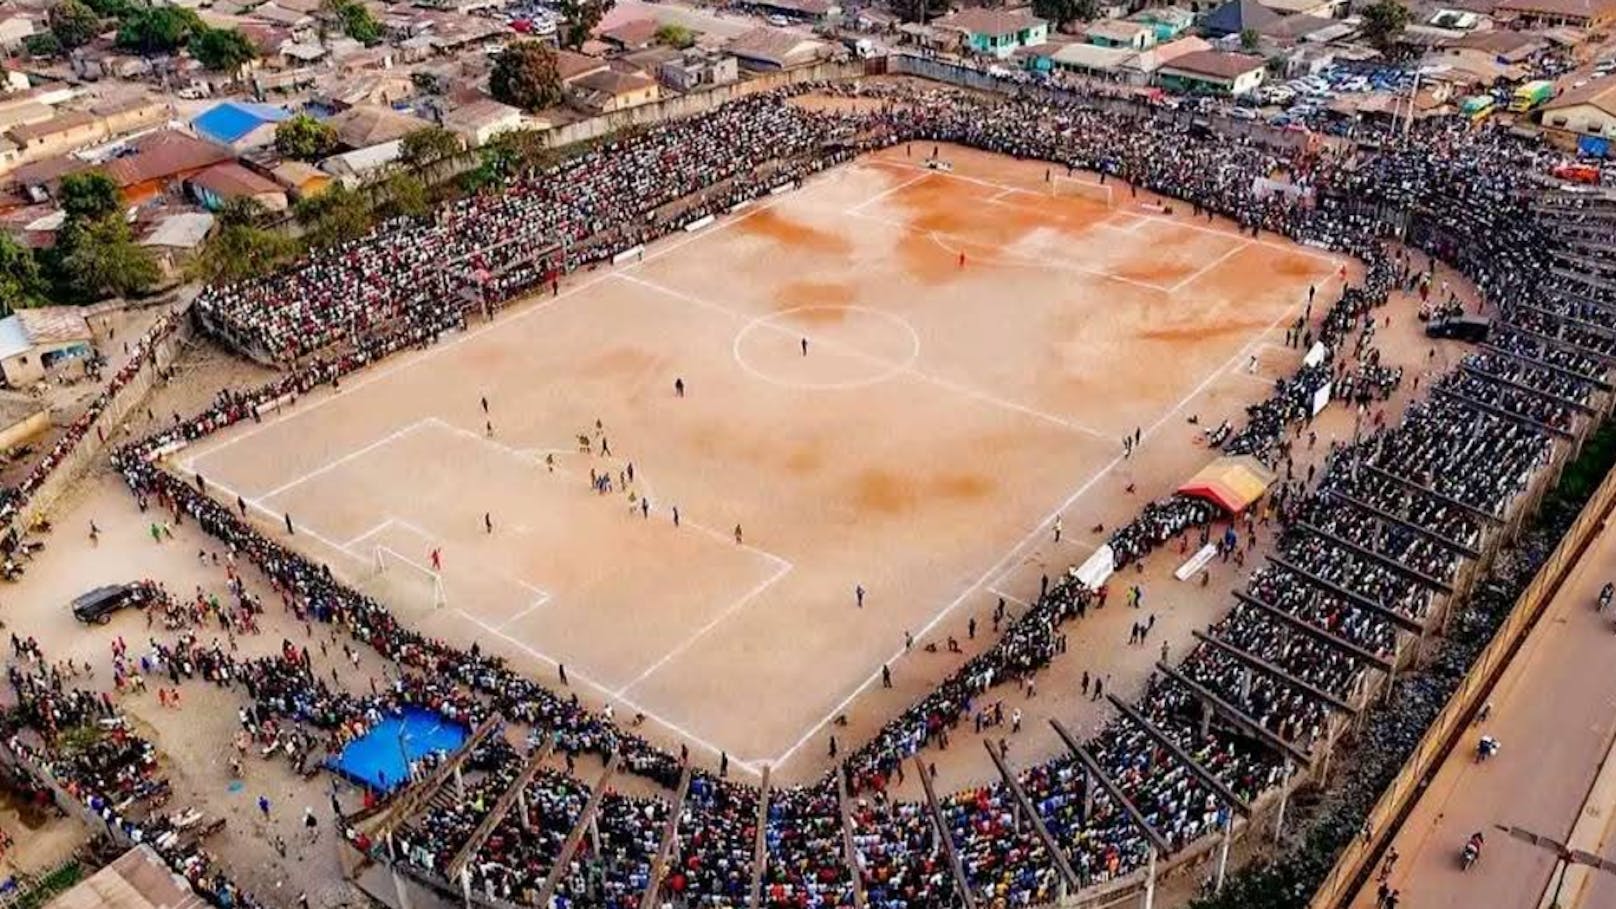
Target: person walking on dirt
{"x": 488, "y": 522}
{"x": 437, "y": 559}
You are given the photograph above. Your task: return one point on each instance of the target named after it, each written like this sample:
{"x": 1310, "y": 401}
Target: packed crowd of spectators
{"x": 1313, "y": 615}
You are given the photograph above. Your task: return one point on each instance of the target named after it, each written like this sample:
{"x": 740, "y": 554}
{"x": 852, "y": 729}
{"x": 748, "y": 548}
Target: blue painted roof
{"x": 230, "y": 120}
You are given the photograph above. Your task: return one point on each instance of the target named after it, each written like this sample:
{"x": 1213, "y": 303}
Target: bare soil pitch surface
{"x": 944, "y": 412}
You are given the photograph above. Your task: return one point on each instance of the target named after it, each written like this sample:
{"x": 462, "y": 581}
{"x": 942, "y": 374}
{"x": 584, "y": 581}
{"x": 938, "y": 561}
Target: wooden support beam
{"x": 409, "y": 802}
{"x": 961, "y": 884}
{"x": 659, "y": 867}
{"x": 1272, "y": 671}
{"x": 1596, "y": 381}
{"x": 855, "y": 868}
{"x": 1523, "y": 388}
{"x": 1357, "y": 599}
{"x": 1553, "y": 341}
{"x": 1385, "y": 561}
{"x": 1463, "y": 549}
{"x": 1211, "y": 782}
{"x": 1430, "y": 493}
{"x": 1581, "y": 323}
{"x": 1500, "y": 412}
{"x": 1039, "y": 828}
{"x": 576, "y": 835}
{"x": 1328, "y": 638}
{"x": 502, "y": 806}
{"x": 760, "y": 852}
{"x": 1236, "y": 716}
{"x": 1099, "y": 776}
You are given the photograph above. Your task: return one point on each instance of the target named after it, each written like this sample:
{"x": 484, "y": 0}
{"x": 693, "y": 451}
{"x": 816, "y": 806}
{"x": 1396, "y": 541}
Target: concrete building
{"x": 239, "y": 125}
{"x": 482, "y": 120}
{"x": 1120, "y": 33}
{"x": 996, "y": 32}
{"x": 698, "y": 67}
{"x": 1213, "y": 72}
{"x": 176, "y": 240}
{"x": 138, "y": 879}
{"x": 35, "y": 343}
{"x": 1584, "y": 117}
{"x": 768, "y": 48}
{"x": 215, "y": 187}
{"x": 614, "y": 90}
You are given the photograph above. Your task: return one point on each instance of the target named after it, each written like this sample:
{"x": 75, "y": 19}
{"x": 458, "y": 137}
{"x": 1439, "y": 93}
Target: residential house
{"x": 228, "y": 180}
{"x": 613, "y": 90}
{"x": 35, "y": 343}
{"x": 239, "y": 125}
{"x": 1584, "y": 117}
{"x": 572, "y": 66}
{"x": 697, "y": 67}
{"x": 1290, "y": 30}
{"x": 478, "y": 122}
{"x": 996, "y": 32}
{"x": 176, "y": 240}
{"x": 362, "y": 164}
{"x": 300, "y": 180}
{"x": 1120, "y": 33}
{"x": 765, "y": 48}
{"x": 803, "y": 10}
{"x": 17, "y": 27}
{"x": 1092, "y": 59}
{"x": 154, "y": 161}
{"x": 365, "y": 125}
{"x": 1506, "y": 45}
{"x": 1323, "y": 9}
{"x": 1213, "y": 72}
{"x": 633, "y": 35}
{"x": 1142, "y": 67}
{"x": 1235, "y": 17}
{"x": 1168, "y": 22}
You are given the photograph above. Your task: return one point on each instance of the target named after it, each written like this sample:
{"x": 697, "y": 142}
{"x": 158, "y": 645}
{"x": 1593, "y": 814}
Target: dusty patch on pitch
{"x": 795, "y": 234}
{"x": 884, "y": 492}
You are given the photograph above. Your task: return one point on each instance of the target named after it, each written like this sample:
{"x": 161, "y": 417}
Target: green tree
{"x": 242, "y": 247}
{"x": 1383, "y": 21}
{"x": 90, "y": 195}
{"x": 20, "y": 283}
{"x": 525, "y": 76}
{"x": 675, "y": 36}
{"x": 73, "y": 23}
{"x": 582, "y": 16}
{"x": 305, "y": 138}
{"x": 111, "y": 9}
{"x": 1249, "y": 39}
{"x": 428, "y": 146}
{"x": 159, "y": 29}
{"x": 43, "y": 44}
{"x": 101, "y": 259}
{"x": 223, "y": 49}
{"x": 337, "y": 215}
{"x": 405, "y": 194}
{"x": 355, "y": 19}
{"x": 1059, "y": 12}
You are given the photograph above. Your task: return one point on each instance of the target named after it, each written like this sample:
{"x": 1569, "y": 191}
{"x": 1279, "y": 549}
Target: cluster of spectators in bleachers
{"x": 1314, "y": 621}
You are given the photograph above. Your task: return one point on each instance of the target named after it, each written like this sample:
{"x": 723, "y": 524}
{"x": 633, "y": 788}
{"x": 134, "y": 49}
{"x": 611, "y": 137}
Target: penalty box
{"x": 566, "y": 574}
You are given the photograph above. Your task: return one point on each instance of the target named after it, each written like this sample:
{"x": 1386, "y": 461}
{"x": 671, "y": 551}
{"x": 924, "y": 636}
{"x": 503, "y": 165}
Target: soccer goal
{"x": 398, "y": 579}
{"x": 1081, "y": 188}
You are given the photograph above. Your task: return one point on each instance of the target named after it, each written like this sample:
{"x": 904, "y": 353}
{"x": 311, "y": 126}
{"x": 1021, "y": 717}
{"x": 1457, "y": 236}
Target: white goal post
{"x": 401, "y": 570}
{"x": 1081, "y": 187}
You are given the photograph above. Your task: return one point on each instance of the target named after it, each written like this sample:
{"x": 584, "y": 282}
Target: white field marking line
{"x": 909, "y": 371}
{"x": 892, "y": 189}
{"x": 1200, "y": 272}
{"x": 1037, "y": 533}
{"x": 1297, "y": 248}
{"x": 1007, "y": 597}
{"x": 278, "y": 516}
{"x": 712, "y": 623}
{"x": 331, "y": 465}
{"x": 368, "y": 534}
{"x": 1003, "y": 257}
{"x": 523, "y": 312}
{"x": 1006, "y": 188}
{"x": 606, "y": 693}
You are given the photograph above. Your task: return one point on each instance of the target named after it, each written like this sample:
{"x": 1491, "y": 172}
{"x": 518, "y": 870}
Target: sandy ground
{"x": 976, "y": 346}
{"x": 1554, "y": 720}
{"x": 932, "y": 486}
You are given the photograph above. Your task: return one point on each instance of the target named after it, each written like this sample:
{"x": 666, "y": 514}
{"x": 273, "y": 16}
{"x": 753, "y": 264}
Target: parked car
{"x": 98, "y": 605}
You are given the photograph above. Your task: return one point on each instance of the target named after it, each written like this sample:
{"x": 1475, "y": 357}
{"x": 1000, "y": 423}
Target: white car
{"x": 778, "y": 21}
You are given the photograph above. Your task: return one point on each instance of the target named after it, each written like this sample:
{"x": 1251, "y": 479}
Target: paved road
{"x": 1554, "y": 715}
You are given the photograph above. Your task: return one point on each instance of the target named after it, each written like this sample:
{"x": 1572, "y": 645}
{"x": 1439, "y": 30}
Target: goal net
{"x": 399, "y": 581}
{"x": 1080, "y": 188}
